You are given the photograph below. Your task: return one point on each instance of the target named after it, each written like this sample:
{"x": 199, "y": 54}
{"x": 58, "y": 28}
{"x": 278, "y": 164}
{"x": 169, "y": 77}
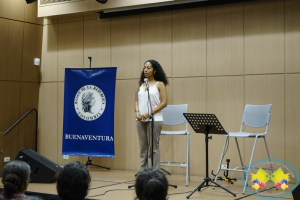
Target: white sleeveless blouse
{"x": 154, "y": 98}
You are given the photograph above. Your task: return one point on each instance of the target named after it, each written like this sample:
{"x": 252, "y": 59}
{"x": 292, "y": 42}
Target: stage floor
{"x": 113, "y": 185}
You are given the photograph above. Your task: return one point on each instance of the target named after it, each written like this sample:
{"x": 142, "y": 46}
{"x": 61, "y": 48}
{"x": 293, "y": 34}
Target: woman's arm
{"x": 163, "y": 97}
{"x": 136, "y": 106}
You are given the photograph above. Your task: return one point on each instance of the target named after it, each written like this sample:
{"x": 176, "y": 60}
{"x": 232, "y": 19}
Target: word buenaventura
{"x": 88, "y": 137}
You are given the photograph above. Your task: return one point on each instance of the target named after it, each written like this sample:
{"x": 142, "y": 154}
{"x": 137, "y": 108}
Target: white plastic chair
{"x": 257, "y": 116}
{"x": 173, "y": 115}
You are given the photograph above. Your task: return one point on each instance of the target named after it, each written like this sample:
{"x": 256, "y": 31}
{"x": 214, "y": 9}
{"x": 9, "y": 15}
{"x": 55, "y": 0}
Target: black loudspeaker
{"x": 43, "y": 170}
{"x": 296, "y": 193}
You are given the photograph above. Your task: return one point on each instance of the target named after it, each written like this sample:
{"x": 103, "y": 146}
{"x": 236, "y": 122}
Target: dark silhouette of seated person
{"x": 73, "y": 182}
{"x": 151, "y": 184}
{"x": 15, "y": 179}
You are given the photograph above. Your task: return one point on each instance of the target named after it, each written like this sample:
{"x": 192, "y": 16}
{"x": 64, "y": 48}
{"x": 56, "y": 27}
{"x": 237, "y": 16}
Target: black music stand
{"x": 206, "y": 123}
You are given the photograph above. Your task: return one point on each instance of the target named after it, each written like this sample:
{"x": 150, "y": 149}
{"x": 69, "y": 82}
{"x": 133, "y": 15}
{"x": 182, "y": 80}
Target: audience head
{"x": 15, "y": 177}
{"x": 151, "y": 184}
{"x": 73, "y": 182}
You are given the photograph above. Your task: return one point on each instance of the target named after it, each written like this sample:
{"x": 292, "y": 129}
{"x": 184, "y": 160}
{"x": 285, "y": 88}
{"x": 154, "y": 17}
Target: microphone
{"x": 146, "y": 82}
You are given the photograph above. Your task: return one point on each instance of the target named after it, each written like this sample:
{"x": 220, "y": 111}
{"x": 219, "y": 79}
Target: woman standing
{"x": 157, "y": 82}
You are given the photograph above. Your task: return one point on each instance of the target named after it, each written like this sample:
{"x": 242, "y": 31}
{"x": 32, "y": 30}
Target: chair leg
{"x": 268, "y": 154}
{"x": 187, "y": 174}
{"x": 189, "y": 163}
{"x": 189, "y": 167}
{"x": 250, "y": 163}
{"x": 238, "y": 147}
{"x": 219, "y": 167}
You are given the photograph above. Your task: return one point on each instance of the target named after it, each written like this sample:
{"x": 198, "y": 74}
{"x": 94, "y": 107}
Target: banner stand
{"x": 89, "y": 162}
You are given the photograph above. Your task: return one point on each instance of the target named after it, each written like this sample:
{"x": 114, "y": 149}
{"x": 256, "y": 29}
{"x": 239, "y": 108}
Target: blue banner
{"x": 89, "y": 101}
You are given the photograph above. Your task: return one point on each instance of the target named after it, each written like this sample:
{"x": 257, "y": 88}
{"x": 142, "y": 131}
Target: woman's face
{"x": 148, "y": 70}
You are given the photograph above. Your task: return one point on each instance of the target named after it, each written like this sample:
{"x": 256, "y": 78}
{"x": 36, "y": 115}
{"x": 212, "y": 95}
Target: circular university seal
{"x": 89, "y": 102}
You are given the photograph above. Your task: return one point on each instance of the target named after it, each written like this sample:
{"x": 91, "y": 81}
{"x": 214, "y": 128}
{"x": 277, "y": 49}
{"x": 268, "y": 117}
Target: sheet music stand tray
{"x": 206, "y": 123}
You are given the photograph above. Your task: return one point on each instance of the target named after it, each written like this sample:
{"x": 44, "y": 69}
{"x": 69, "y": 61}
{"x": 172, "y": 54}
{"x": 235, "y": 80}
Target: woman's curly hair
{"x": 158, "y": 71}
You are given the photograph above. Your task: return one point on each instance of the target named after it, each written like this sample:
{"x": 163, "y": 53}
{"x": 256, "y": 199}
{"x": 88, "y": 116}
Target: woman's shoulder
{"x": 140, "y": 85}
{"x": 160, "y": 84}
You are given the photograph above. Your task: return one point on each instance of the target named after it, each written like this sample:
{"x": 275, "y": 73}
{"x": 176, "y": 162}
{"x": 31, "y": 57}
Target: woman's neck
{"x": 151, "y": 80}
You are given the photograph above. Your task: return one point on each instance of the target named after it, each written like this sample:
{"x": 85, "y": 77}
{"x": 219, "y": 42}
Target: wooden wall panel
{"x": 97, "y": 43}
{"x": 27, "y": 127}
{"x": 156, "y": 39}
{"x": 31, "y": 14}
{"x": 70, "y": 47}
{"x": 47, "y": 127}
{"x": 126, "y": 138}
{"x": 266, "y": 89}
{"x": 70, "y": 18}
{"x": 125, "y": 47}
{"x": 11, "y": 40}
{"x": 292, "y": 115}
{"x": 9, "y": 104}
{"x": 264, "y": 37}
{"x": 225, "y": 98}
{"x": 49, "y": 54}
{"x": 60, "y": 112}
{"x": 1, "y": 149}
{"x": 170, "y": 91}
{"x": 11, "y": 150}
{"x": 191, "y": 91}
{"x": 189, "y": 42}
{"x": 292, "y": 36}
{"x": 33, "y": 35}
{"x": 9, "y": 115}
{"x": 225, "y": 54}
{"x": 13, "y": 9}
{"x": 92, "y": 16}
{"x": 17, "y": 43}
